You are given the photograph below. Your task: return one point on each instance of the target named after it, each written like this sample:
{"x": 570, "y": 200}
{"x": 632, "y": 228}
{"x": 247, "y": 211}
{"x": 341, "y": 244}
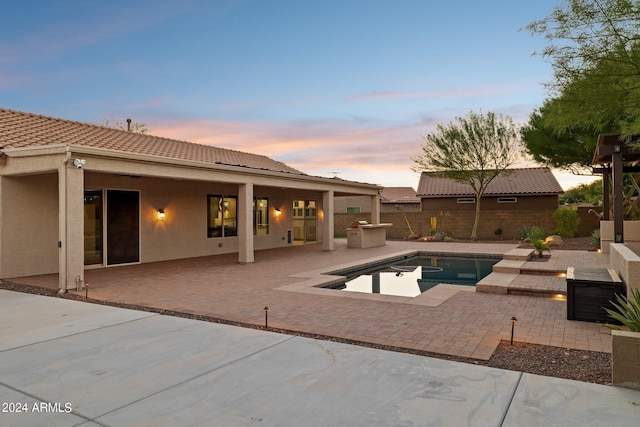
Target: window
{"x": 222, "y": 214}
{"x": 260, "y": 216}
{"x": 466, "y": 199}
{"x": 507, "y": 199}
{"x": 353, "y": 209}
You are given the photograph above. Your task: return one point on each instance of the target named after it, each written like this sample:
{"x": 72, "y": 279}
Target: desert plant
{"x": 540, "y": 246}
{"x": 524, "y": 232}
{"x": 567, "y": 221}
{"x": 538, "y": 239}
{"x": 536, "y": 233}
{"x": 595, "y": 238}
{"x": 627, "y": 311}
{"x": 412, "y": 235}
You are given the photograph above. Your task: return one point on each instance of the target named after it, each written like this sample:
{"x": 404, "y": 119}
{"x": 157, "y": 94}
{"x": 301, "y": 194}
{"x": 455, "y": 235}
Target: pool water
{"x": 412, "y": 276}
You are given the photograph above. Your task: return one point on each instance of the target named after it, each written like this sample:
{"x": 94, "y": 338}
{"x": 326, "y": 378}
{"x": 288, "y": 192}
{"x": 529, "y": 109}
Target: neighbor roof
{"x": 398, "y": 195}
{"x": 24, "y": 130}
{"x": 529, "y": 181}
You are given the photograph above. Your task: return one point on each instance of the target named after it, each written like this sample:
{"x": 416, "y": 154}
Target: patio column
{"x": 618, "y": 207}
{"x": 606, "y": 206}
{"x": 327, "y": 220}
{"x": 375, "y": 209}
{"x": 245, "y": 223}
{"x": 71, "y": 227}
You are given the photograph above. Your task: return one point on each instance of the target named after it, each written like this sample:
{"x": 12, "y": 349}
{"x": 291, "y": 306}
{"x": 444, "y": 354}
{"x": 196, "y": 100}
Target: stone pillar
{"x": 375, "y": 209}
{"x": 327, "y": 220}
{"x": 71, "y": 227}
{"x": 245, "y": 223}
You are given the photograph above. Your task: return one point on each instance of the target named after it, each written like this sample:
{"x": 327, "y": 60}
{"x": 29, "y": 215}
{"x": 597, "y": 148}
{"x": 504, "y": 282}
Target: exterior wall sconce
{"x": 161, "y": 215}
{"x": 278, "y": 212}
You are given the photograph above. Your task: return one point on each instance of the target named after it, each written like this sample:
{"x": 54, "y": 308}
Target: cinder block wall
{"x": 458, "y": 225}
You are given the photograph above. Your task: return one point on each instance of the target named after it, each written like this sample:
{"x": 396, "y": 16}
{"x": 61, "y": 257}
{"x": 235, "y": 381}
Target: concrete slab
{"x": 318, "y": 383}
{"x": 40, "y": 319}
{"x": 18, "y": 409}
{"x": 546, "y": 401}
{"x": 166, "y": 371}
{"x": 105, "y": 369}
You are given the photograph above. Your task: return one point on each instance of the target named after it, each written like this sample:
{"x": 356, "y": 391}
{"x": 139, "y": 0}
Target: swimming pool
{"x": 412, "y": 276}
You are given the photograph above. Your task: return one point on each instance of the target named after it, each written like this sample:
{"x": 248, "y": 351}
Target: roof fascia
{"x": 341, "y": 186}
{"x": 42, "y": 150}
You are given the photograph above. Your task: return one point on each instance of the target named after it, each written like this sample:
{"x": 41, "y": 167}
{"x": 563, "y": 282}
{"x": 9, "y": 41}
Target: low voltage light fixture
{"x": 161, "y": 214}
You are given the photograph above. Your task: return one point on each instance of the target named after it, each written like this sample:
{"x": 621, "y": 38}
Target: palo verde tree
{"x": 473, "y": 150}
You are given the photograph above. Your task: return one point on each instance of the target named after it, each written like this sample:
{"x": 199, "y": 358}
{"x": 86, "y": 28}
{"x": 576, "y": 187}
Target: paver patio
{"x": 460, "y": 323}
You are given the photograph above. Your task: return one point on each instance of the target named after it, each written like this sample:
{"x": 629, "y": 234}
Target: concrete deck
{"x": 446, "y": 321}
{"x": 67, "y": 363}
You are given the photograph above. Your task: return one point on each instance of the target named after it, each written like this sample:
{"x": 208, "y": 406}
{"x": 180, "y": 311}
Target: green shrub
{"x": 627, "y": 311}
{"x": 567, "y": 221}
{"x": 524, "y": 232}
{"x": 536, "y": 233}
{"x": 538, "y": 239}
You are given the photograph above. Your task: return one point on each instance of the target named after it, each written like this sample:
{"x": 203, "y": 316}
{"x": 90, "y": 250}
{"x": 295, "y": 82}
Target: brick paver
{"x": 466, "y": 324}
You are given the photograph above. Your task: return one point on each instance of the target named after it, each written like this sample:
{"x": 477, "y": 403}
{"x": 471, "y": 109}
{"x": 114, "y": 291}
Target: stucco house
{"x": 389, "y": 198}
{"x": 75, "y": 196}
{"x": 521, "y": 197}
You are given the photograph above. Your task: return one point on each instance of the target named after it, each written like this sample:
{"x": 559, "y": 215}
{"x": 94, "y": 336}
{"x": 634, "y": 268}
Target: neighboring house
{"x": 520, "y": 189}
{"x": 76, "y": 196}
{"x": 522, "y": 197}
{"x": 404, "y": 197}
{"x": 389, "y": 198}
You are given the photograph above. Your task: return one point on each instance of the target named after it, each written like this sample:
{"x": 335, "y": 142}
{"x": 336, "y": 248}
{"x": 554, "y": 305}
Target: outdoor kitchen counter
{"x": 367, "y": 236}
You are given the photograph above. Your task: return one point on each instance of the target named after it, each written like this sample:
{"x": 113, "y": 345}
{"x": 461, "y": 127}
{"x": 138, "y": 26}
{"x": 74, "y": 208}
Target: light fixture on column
{"x": 161, "y": 215}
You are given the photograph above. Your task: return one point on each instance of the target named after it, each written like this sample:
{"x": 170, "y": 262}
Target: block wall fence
{"x": 458, "y": 225}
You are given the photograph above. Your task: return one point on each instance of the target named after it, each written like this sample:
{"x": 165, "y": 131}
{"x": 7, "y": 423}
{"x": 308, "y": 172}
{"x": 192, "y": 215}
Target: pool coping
{"x": 317, "y": 281}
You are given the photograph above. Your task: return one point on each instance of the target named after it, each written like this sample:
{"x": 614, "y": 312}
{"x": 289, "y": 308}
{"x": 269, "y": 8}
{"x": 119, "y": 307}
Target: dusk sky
{"x": 342, "y": 88}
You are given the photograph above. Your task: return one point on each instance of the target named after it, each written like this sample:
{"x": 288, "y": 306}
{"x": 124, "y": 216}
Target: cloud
{"x": 457, "y": 93}
{"x": 323, "y": 148}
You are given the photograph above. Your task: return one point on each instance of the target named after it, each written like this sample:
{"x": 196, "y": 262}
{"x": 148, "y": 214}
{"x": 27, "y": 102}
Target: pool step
{"x": 519, "y": 254}
{"x": 496, "y": 283}
{"x": 508, "y": 266}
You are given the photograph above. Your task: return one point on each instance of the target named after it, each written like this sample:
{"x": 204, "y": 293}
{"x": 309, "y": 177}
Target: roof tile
{"x": 527, "y": 181}
{"x": 18, "y": 130}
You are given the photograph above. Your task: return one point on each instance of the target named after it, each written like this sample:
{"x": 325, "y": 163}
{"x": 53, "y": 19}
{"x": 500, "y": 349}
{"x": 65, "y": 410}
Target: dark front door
{"x": 123, "y": 227}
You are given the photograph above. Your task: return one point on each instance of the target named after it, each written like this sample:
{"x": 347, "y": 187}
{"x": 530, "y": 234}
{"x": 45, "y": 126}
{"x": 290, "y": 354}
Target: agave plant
{"x": 627, "y": 311}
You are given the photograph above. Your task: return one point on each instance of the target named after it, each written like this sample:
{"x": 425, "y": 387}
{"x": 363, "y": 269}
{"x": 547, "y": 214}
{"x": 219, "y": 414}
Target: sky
{"x": 343, "y": 88}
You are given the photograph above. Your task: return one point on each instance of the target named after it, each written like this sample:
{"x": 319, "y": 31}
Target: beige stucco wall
{"x": 29, "y": 233}
{"x": 631, "y": 230}
{"x": 183, "y": 233}
{"x": 30, "y": 199}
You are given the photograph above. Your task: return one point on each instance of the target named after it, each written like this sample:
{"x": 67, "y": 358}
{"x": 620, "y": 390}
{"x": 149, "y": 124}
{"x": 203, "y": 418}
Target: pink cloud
{"x": 317, "y": 148}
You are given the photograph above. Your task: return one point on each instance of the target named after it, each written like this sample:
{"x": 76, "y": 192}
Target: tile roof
{"x": 18, "y": 130}
{"x": 528, "y": 181}
{"x": 399, "y": 195}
